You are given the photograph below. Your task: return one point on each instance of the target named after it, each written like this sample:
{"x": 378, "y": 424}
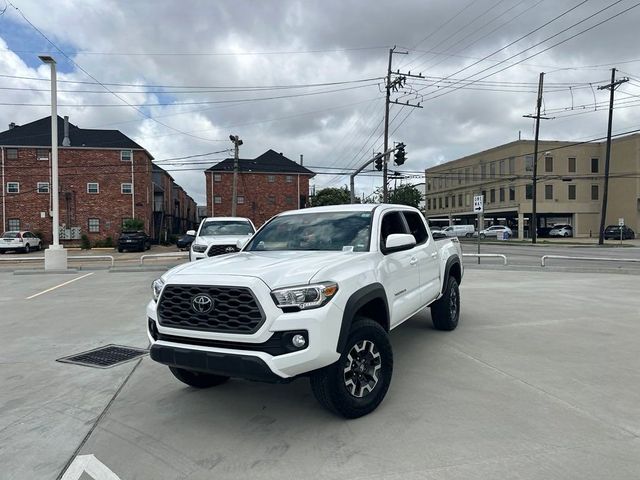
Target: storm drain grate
{"x": 105, "y": 357}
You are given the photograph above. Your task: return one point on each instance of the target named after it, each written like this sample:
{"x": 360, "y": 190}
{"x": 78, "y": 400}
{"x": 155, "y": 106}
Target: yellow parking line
{"x": 58, "y": 286}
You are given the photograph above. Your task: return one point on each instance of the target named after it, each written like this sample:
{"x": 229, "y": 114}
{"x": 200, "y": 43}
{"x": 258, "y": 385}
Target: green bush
{"x": 108, "y": 242}
{"x": 133, "y": 224}
{"x": 85, "y": 244}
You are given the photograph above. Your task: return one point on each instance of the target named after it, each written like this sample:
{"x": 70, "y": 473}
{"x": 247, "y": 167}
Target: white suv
{"x": 219, "y": 235}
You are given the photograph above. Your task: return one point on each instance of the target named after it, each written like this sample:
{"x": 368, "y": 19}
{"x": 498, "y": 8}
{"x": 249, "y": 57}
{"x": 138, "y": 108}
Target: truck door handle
{"x": 413, "y": 261}
{"x": 434, "y": 254}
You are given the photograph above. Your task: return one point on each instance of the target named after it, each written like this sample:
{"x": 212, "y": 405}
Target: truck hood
{"x": 275, "y": 269}
{"x": 220, "y": 239}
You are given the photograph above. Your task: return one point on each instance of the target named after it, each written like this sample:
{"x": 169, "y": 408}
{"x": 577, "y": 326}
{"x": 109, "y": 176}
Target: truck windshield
{"x": 333, "y": 231}
{"x": 226, "y": 228}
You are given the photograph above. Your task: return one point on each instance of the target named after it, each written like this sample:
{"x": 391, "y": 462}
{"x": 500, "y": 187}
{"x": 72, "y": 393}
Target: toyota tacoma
{"x": 315, "y": 292}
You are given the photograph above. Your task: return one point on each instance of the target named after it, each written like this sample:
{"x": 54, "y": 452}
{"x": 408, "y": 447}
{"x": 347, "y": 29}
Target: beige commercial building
{"x": 569, "y": 188}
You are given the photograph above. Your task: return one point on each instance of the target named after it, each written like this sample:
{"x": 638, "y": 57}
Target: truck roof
{"x": 356, "y": 207}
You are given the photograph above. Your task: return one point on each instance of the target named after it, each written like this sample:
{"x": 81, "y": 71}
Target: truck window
{"x": 392, "y": 222}
{"x": 416, "y": 227}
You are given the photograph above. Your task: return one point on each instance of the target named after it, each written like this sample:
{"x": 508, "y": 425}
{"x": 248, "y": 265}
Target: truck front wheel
{"x": 197, "y": 379}
{"x": 357, "y": 383}
{"x": 446, "y": 310}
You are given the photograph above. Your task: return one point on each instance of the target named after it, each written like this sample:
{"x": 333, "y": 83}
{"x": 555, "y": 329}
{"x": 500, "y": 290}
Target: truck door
{"x": 399, "y": 270}
{"x": 426, "y": 252}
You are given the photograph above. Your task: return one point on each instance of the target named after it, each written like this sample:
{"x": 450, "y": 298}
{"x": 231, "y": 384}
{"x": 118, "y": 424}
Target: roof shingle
{"x": 269, "y": 162}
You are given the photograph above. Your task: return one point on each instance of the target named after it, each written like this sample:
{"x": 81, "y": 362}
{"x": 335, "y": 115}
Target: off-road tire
{"x": 445, "y": 311}
{"x": 334, "y": 386}
{"x": 197, "y": 379}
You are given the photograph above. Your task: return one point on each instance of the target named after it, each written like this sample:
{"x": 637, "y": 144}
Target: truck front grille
{"x": 221, "y": 250}
{"x": 231, "y": 309}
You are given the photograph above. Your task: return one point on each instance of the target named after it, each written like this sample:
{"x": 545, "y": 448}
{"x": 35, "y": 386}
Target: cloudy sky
{"x": 306, "y": 77}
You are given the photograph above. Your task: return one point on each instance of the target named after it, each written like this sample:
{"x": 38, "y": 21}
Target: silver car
{"x": 19, "y": 241}
{"x": 494, "y": 230}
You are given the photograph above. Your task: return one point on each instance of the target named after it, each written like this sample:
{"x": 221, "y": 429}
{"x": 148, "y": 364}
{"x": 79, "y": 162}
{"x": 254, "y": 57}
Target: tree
{"x": 406, "y": 195}
{"x": 331, "y": 196}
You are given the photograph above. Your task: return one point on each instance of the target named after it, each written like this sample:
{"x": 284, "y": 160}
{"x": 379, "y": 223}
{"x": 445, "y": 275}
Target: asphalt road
{"x": 541, "y": 380}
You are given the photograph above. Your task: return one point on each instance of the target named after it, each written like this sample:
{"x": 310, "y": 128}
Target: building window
{"x": 501, "y": 168}
{"x": 440, "y": 203}
{"x": 13, "y": 224}
{"x": 240, "y": 199}
{"x": 460, "y": 200}
{"x": 548, "y": 164}
{"x": 572, "y": 165}
{"x": 126, "y": 188}
{"x": 94, "y": 225}
{"x": 528, "y": 163}
{"x": 12, "y": 153}
{"x": 594, "y": 192}
{"x": 217, "y": 177}
{"x": 42, "y": 154}
{"x": 492, "y": 195}
{"x": 289, "y": 200}
{"x": 428, "y": 204}
{"x": 572, "y": 192}
{"x": 512, "y": 194}
{"x": 594, "y": 165}
{"x": 13, "y": 187}
{"x": 502, "y": 194}
{"x": 467, "y": 175}
{"x": 271, "y": 178}
{"x": 512, "y": 165}
{"x": 93, "y": 188}
{"x": 289, "y": 178}
{"x": 548, "y": 192}
{"x": 439, "y": 182}
{"x": 446, "y": 201}
{"x": 271, "y": 199}
{"x": 492, "y": 169}
{"x": 485, "y": 199}
{"x": 483, "y": 171}
{"x": 446, "y": 180}
{"x": 528, "y": 192}
{"x": 467, "y": 200}
{"x": 125, "y": 156}
{"x": 428, "y": 185}
{"x": 217, "y": 199}
{"x": 459, "y": 177}
{"x": 42, "y": 187}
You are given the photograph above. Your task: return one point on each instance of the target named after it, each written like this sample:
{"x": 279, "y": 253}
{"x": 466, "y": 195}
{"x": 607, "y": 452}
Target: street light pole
{"x": 234, "y": 194}
{"x": 55, "y": 257}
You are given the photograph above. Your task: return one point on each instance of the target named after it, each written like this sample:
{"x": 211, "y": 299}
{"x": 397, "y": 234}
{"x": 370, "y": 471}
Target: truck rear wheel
{"x": 197, "y": 379}
{"x": 446, "y": 310}
{"x": 357, "y": 383}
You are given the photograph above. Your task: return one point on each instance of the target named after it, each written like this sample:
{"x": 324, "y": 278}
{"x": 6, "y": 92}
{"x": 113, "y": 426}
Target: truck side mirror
{"x": 241, "y": 243}
{"x": 399, "y": 241}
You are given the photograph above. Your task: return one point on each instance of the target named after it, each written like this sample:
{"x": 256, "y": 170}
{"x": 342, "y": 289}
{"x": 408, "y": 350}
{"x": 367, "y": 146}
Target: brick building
{"x": 104, "y": 179}
{"x": 267, "y": 185}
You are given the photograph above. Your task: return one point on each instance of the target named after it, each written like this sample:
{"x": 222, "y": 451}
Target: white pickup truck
{"x": 313, "y": 293}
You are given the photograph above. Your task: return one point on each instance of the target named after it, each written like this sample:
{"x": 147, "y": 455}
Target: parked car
{"x": 561, "y": 231}
{"x": 459, "y": 231}
{"x": 19, "y": 241}
{"x": 494, "y": 230}
{"x": 134, "y": 240}
{"x": 185, "y": 241}
{"x": 218, "y": 236}
{"x": 612, "y": 232}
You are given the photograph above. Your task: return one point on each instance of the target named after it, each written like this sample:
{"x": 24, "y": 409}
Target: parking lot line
{"x": 58, "y": 286}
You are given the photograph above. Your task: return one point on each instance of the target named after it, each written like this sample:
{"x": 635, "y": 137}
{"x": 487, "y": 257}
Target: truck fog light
{"x": 298, "y": 341}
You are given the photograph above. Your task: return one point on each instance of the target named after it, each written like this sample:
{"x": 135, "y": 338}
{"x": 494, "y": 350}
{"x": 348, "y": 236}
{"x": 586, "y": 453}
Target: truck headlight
{"x": 304, "y": 297}
{"x": 156, "y": 288}
{"x": 199, "y": 248}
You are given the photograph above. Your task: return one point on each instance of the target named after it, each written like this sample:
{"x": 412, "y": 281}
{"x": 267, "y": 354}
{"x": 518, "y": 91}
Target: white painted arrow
{"x": 92, "y": 466}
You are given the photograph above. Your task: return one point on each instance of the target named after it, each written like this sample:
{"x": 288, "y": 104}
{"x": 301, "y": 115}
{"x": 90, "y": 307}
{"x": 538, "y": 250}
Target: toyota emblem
{"x": 230, "y": 249}
{"x": 202, "y": 303}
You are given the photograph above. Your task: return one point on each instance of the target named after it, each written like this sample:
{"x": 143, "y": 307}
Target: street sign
{"x": 621, "y": 222}
{"x": 478, "y": 203}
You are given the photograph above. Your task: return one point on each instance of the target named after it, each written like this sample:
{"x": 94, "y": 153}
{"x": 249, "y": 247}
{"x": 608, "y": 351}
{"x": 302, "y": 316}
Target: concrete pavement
{"x": 541, "y": 380}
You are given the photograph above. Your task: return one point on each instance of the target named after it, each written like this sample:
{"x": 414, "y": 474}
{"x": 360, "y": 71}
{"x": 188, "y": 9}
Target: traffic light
{"x": 399, "y": 155}
{"x": 379, "y": 163}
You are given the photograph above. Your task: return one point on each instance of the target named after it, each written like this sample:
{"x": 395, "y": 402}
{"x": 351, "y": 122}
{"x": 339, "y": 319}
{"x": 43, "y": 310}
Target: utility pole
{"x": 534, "y": 212}
{"x": 612, "y": 86}
{"x": 234, "y": 194}
{"x": 399, "y": 81}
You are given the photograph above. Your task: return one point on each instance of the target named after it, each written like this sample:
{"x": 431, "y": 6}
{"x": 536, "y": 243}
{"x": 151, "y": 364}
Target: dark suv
{"x": 612, "y": 232}
{"x": 131, "y": 240}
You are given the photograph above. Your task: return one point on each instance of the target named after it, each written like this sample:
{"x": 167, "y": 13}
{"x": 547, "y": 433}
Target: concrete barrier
{"x": 544, "y": 258}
